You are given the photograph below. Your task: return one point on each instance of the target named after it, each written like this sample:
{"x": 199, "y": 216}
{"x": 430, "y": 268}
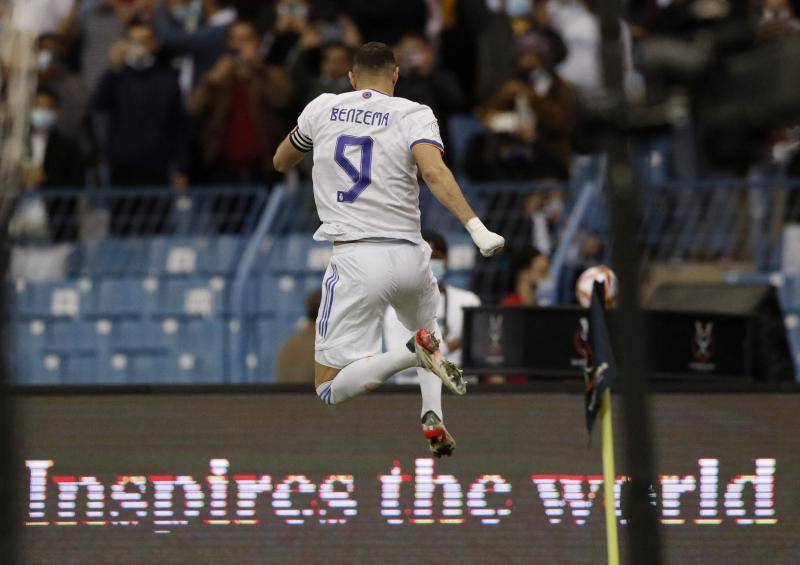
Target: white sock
{"x": 431, "y": 388}
{"x": 370, "y": 372}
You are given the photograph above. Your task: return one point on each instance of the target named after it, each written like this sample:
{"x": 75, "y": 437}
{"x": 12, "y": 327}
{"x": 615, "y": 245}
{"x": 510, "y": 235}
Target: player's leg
{"x": 416, "y": 300}
{"x": 362, "y": 375}
{"x": 416, "y": 305}
{"x": 348, "y": 354}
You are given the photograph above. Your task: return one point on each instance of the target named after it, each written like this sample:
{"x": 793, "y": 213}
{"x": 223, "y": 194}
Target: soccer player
{"x": 368, "y": 146}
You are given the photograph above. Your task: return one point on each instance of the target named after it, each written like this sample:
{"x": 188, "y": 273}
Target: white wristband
{"x": 475, "y": 226}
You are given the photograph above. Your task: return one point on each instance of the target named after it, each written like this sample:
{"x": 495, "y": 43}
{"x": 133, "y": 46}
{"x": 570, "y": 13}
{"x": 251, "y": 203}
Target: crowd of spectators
{"x": 186, "y": 93}
{"x": 193, "y": 92}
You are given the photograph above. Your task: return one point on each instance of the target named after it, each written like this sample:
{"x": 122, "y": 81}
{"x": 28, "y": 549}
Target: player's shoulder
{"x": 462, "y": 296}
{"x": 409, "y": 107}
{"x": 321, "y": 101}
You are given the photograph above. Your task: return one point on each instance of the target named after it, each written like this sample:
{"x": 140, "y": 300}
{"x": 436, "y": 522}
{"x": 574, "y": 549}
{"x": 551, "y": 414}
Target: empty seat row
{"x": 157, "y": 255}
{"x": 119, "y": 368}
{"x": 77, "y": 351}
{"x": 190, "y": 296}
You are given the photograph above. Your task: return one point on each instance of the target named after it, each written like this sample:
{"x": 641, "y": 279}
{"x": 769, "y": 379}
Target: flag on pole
{"x": 599, "y": 371}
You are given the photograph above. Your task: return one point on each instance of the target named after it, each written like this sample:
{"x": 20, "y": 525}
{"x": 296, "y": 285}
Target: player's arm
{"x": 444, "y": 187}
{"x": 287, "y": 155}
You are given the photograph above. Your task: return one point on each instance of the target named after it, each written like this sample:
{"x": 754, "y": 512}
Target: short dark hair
{"x": 339, "y": 45}
{"x": 522, "y": 259}
{"x": 374, "y": 57}
{"x": 435, "y": 240}
{"x": 58, "y": 38}
{"x": 138, "y": 21}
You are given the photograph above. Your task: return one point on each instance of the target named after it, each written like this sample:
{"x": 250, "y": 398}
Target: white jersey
{"x": 364, "y": 175}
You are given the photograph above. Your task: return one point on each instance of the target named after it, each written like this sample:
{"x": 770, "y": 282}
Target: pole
{"x": 609, "y": 480}
{"x": 643, "y": 527}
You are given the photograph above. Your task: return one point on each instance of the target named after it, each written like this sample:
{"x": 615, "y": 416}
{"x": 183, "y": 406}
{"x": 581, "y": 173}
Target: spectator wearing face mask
{"x": 298, "y": 42}
{"x": 73, "y": 96}
{"x": 143, "y": 101}
{"x": 54, "y": 160}
{"x": 177, "y": 29}
{"x": 146, "y": 144}
{"x": 421, "y": 82}
{"x": 93, "y": 27}
{"x": 292, "y": 29}
{"x": 337, "y": 60}
{"x": 529, "y": 120}
{"x": 450, "y": 312}
{"x": 530, "y": 269}
{"x": 240, "y": 103}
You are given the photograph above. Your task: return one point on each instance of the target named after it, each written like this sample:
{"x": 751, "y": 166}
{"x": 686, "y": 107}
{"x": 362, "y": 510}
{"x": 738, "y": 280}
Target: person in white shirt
{"x": 368, "y": 149}
{"x": 449, "y": 314}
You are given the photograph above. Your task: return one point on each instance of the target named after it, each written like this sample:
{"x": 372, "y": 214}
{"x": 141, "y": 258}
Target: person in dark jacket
{"x": 422, "y": 82}
{"x": 146, "y": 145}
{"x": 55, "y": 161}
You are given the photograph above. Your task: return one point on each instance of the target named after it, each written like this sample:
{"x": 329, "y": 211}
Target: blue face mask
{"x": 438, "y": 269}
{"x": 519, "y": 8}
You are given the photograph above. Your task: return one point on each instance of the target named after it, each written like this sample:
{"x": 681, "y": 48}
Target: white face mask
{"x": 519, "y": 8}
{"x": 44, "y": 59}
{"x": 138, "y": 58}
{"x": 438, "y": 269}
{"x": 42, "y": 119}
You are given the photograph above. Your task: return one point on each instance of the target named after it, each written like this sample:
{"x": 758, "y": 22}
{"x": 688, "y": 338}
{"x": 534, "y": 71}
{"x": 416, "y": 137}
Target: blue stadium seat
{"x": 297, "y": 254}
{"x": 221, "y": 256}
{"x": 29, "y": 339}
{"x": 176, "y": 255}
{"x": 40, "y": 369}
{"x": 121, "y": 297}
{"x": 112, "y": 256}
{"x": 189, "y": 297}
{"x": 80, "y": 369}
{"x": 271, "y": 336}
{"x": 790, "y": 294}
{"x": 281, "y": 295}
{"x": 133, "y": 335}
{"x": 49, "y": 299}
{"x": 150, "y": 368}
{"x": 70, "y": 336}
{"x": 463, "y": 128}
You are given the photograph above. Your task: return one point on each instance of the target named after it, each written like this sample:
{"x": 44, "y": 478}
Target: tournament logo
{"x": 496, "y": 354}
{"x": 703, "y": 347}
{"x": 367, "y": 94}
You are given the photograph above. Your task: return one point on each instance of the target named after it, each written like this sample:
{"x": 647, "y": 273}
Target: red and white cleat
{"x": 440, "y": 440}
{"x": 430, "y": 357}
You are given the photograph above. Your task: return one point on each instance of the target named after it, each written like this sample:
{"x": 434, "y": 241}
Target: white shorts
{"x": 361, "y": 280}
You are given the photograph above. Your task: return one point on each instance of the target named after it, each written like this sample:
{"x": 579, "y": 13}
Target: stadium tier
{"x": 160, "y": 308}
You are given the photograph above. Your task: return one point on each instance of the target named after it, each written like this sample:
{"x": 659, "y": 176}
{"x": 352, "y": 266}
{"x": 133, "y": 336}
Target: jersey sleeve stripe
{"x": 299, "y": 143}
{"x": 433, "y": 142}
{"x": 301, "y": 135}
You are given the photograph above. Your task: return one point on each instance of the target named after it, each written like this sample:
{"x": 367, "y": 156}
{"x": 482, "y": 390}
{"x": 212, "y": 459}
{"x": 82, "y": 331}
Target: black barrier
{"x": 260, "y": 478}
{"x": 543, "y": 342}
